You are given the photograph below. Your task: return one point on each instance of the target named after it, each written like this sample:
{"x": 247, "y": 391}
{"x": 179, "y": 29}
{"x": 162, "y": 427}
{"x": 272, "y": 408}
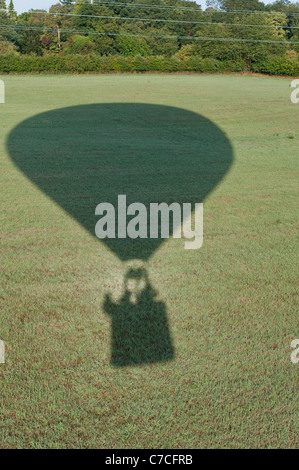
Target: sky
{"x": 25, "y": 5}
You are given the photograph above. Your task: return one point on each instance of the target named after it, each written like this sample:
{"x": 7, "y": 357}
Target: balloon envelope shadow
{"x": 84, "y": 155}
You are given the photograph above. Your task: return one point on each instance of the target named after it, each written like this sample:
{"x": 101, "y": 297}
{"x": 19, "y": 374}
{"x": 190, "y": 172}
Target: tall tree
{"x": 3, "y": 5}
{"x": 11, "y": 10}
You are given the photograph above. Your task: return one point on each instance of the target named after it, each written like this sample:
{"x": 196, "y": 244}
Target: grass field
{"x": 222, "y": 374}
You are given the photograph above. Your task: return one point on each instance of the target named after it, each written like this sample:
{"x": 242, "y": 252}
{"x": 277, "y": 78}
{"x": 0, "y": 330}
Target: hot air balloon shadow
{"x": 84, "y": 155}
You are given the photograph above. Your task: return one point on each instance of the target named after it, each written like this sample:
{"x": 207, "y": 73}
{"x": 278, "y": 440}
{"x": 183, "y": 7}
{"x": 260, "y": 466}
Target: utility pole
{"x": 59, "y": 35}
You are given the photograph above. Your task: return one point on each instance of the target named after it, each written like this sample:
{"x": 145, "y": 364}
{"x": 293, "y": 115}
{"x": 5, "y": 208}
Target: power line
{"x": 155, "y": 36}
{"x": 260, "y": 12}
{"x": 172, "y": 21}
{"x": 174, "y": 7}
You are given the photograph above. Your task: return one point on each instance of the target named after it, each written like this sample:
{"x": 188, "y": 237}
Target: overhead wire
{"x": 155, "y": 36}
{"x": 165, "y": 36}
{"x": 175, "y": 7}
{"x": 161, "y": 20}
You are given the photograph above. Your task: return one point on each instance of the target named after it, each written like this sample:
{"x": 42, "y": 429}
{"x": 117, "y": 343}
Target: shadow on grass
{"x": 84, "y": 155}
{"x": 140, "y": 331}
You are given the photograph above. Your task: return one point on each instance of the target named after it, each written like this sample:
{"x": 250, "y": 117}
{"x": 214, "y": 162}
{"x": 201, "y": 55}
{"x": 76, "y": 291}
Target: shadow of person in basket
{"x": 140, "y": 331}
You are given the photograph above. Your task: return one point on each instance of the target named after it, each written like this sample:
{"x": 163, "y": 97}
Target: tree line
{"x": 246, "y": 32}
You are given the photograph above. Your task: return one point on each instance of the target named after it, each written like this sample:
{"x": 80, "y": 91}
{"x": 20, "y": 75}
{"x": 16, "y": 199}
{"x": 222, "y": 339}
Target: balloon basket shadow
{"x": 140, "y": 331}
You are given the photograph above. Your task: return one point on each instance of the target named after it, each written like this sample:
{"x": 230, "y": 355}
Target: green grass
{"x": 230, "y": 307}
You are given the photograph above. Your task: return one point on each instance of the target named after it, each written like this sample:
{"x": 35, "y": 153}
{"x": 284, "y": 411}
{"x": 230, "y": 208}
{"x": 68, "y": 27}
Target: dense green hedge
{"x": 278, "y": 66}
{"x": 14, "y": 64}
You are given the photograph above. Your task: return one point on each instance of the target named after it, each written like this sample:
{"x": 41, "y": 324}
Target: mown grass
{"x": 231, "y": 306}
